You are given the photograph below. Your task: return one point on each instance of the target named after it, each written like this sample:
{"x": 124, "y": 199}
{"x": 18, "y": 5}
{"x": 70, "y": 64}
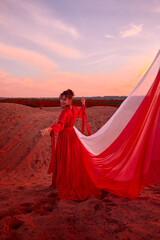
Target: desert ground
{"x": 29, "y": 207}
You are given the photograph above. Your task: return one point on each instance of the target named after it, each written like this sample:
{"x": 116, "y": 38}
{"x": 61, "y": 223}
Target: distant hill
{"x": 113, "y": 101}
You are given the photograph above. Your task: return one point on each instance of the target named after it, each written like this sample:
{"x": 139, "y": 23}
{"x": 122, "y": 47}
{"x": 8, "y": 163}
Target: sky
{"x": 94, "y": 47}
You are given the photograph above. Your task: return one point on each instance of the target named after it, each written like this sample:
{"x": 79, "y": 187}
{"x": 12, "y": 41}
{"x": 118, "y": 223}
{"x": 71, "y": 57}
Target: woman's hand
{"x": 45, "y": 131}
{"x": 83, "y": 100}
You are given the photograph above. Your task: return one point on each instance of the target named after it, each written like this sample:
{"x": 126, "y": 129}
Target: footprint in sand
{"x": 26, "y": 207}
{"x": 116, "y": 225}
{"x": 38, "y": 207}
{"x": 11, "y": 222}
{"x": 21, "y": 187}
{"x": 156, "y": 191}
{"x": 142, "y": 198}
{"x": 156, "y": 203}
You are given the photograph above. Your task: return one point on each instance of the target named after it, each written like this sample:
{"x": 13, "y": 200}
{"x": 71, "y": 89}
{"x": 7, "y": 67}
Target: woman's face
{"x": 65, "y": 101}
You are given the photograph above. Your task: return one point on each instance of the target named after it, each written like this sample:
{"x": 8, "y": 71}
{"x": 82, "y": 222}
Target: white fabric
{"x": 107, "y": 134}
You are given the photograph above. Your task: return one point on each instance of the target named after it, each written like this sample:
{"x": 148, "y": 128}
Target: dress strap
{"x": 88, "y": 128}
{"x": 52, "y": 161}
{"x": 83, "y": 125}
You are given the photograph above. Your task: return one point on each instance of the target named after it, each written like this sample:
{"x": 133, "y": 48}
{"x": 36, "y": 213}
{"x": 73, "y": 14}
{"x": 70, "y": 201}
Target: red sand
{"x": 30, "y": 209}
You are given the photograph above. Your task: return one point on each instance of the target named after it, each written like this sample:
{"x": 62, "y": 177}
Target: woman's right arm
{"x": 57, "y": 127}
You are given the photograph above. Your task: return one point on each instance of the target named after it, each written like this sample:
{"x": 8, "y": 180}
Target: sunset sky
{"x": 94, "y": 47}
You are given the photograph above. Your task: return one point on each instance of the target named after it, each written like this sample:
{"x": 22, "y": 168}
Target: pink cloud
{"x": 60, "y": 49}
{"x": 42, "y": 63}
{"x": 4, "y": 75}
{"x": 44, "y": 17}
{"x": 41, "y": 28}
{"x": 121, "y": 82}
{"x": 131, "y": 30}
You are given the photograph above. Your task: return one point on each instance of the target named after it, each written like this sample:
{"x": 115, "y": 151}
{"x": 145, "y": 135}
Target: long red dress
{"x": 67, "y": 165}
{"x": 129, "y": 164}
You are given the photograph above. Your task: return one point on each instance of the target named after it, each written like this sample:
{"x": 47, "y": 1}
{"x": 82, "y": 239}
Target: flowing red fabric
{"x": 129, "y": 164}
{"x": 132, "y": 161}
{"x": 83, "y": 125}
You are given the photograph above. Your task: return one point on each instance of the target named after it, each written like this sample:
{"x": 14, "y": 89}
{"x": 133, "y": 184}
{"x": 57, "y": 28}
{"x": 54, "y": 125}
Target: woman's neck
{"x": 69, "y": 105}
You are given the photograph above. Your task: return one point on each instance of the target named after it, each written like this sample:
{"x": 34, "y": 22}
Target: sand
{"x": 29, "y": 207}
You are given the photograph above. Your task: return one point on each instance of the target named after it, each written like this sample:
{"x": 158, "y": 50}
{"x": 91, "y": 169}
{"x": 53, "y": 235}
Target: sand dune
{"x": 30, "y": 209}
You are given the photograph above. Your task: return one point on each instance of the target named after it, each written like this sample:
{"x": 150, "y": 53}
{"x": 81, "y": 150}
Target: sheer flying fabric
{"x": 107, "y": 134}
{"x": 123, "y": 156}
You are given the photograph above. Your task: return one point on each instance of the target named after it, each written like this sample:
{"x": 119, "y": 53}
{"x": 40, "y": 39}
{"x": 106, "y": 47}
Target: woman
{"x": 67, "y": 165}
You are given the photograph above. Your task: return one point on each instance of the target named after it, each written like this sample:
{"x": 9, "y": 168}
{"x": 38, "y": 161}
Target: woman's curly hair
{"x": 68, "y": 93}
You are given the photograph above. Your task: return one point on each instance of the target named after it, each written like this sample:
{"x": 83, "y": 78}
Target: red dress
{"x": 68, "y": 164}
{"x": 129, "y": 164}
